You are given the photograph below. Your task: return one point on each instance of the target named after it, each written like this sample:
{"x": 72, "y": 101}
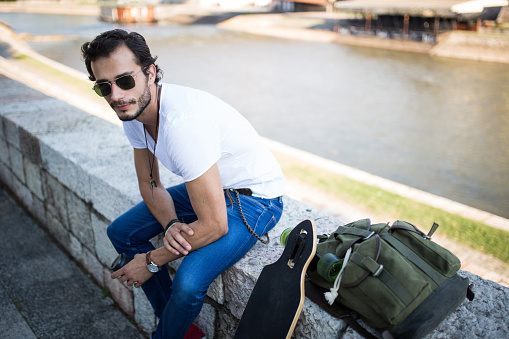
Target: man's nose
{"x": 116, "y": 92}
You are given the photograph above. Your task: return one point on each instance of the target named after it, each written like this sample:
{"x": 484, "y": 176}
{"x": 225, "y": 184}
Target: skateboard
{"x": 275, "y": 304}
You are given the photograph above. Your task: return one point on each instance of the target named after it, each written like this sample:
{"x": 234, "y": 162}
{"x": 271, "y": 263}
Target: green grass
{"x": 472, "y": 233}
{"x": 62, "y": 77}
{"x": 105, "y": 293}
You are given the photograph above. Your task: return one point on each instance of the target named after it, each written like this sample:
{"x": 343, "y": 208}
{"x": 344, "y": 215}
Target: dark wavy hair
{"x": 106, "y": 43}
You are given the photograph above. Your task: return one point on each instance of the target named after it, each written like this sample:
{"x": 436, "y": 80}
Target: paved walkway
{"x": 43, "y": 293}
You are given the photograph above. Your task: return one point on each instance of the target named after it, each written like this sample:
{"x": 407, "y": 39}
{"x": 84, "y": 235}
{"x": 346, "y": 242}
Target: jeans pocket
{"x": 270, "y": 225}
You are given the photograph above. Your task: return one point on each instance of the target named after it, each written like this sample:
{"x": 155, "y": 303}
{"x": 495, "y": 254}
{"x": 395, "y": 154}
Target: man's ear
{"x": 151, "y": 70}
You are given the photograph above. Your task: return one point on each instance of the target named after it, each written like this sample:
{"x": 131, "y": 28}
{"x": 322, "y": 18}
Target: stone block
{"x": 29, "y": 146}
{"x": 22, "y": 192}
{"x": 173, "y": 266}
{"x": 38, "y": 210}
{"x": 33, "y": 177}
{"x": 238, "y": 287}
{"x": 122, "y": 294}
{"x": 109, "y": 199}
{"x": 93, "y": 266}
{"x": 206, "y": 320}
{"x": 42, "y": 104}
{"x": 87, "y": 149}
{"x": 16, "y": 161}
{"x": 17, "y": 92}
{"x": 58, "y": 231}
{"x": 226, "y": 324}
{"x": 484, "y": 317}
{"x": 55, "y": 199}
{"x": 80, "y": 220}
{"x": 54, "y": 123}
{"x": 143, "y": 312}
{"x": 6, "y": 176}
{"x": 68, "y": 173}
{"x": 9, "y": 87}
{"x": 11, "y": 132}
{"x": 76, "y": 249}
{"x": 216, "y": 290}
{"x": 103, "y": 248}
{"x": 315, "y": 323}
{"x": 4, "y": 153}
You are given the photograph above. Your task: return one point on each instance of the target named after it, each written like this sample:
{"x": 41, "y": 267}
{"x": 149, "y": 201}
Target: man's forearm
{"x": 162, "y": 207}
{"x": 203, "y": 235}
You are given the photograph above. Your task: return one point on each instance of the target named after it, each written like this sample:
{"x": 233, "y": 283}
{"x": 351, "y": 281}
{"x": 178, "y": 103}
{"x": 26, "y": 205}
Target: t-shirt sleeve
{"x": 194, "y": 145}
{"x": 130, "y": 129}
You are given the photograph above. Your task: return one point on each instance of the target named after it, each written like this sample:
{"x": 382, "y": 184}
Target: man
{"x": 232, "y": 190}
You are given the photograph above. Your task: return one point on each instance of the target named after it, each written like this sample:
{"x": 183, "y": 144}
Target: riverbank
{"x": 77, "y": 92}
{"x": 489, "y": 47}
{"x": 480, "y": 46}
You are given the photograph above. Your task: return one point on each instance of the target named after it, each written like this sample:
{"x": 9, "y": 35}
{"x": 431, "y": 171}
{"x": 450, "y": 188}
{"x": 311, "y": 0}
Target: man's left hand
{"x": 174, "y": 241}
{"x": 135, "y": 272}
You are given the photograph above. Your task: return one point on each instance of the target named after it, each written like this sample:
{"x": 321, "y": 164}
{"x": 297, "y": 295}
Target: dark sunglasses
{"x": 125, "y": 82}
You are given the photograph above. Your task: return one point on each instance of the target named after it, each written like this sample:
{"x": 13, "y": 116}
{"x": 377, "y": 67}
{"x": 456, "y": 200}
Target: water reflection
{"x": 440, "y": 125}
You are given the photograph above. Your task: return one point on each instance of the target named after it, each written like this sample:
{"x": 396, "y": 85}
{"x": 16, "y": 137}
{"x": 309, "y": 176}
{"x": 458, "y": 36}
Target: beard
{"x": 143, "y": 101}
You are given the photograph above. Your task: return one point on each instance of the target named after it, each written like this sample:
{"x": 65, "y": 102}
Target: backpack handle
{"x": 374, "y": 259}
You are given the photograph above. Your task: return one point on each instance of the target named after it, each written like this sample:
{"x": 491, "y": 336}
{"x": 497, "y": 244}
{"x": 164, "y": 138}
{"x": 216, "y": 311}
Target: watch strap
{"x": 149, "y": 260}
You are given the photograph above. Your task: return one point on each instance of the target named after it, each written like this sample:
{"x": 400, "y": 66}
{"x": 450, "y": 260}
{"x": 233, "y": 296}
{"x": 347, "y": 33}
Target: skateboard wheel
{"x": 284, "y": 235}
{"x": 329, "y": 266}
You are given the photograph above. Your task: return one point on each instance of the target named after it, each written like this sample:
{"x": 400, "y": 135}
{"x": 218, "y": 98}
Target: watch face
{"x": 153, "y": 268}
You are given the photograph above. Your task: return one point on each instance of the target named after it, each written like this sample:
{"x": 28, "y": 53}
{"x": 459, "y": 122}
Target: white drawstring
{"x": 333, "y": 294}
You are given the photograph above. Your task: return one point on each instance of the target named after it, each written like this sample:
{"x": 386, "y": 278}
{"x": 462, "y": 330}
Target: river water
{"x": 436, "y": 124}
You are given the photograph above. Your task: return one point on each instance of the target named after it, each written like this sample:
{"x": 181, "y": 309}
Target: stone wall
{"x": 74, "y": 173}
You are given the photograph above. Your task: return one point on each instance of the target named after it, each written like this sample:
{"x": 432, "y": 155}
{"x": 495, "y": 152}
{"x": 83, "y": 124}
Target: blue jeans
{"x": 177, "y": 303}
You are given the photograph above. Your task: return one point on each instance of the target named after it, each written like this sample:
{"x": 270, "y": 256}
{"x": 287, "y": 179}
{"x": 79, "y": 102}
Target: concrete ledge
{"x": 74, "y": 172}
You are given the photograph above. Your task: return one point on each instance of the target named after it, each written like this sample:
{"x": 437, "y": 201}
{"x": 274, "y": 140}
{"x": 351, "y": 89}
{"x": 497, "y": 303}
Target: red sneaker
{"x": 194, "y": 333}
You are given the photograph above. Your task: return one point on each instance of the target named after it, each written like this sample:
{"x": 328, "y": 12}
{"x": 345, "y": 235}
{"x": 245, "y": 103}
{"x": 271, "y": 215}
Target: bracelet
{"x": 170, "y": 224}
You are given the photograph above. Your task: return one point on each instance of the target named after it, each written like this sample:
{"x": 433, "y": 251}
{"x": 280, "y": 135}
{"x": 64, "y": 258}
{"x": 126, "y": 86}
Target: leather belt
{"x": 243, "y": 191}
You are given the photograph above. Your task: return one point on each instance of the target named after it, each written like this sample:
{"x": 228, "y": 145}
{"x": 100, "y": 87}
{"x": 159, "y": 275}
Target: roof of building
{"x": 411, "y": 7}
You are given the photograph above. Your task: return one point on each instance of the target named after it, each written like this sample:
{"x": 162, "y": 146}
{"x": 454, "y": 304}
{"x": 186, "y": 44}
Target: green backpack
{"x": 397, "y": 279}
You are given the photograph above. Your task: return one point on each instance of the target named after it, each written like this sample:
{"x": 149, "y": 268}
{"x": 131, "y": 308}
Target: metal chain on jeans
{"x": 244, "y": 218}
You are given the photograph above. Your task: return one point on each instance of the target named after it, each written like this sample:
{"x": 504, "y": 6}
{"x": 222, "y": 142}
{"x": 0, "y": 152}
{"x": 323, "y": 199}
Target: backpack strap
{"x": 413, "y": 258}
{"x": 358, "y": 232}
{"x": 315, "y": 294}
{"x": 377, "y": 270}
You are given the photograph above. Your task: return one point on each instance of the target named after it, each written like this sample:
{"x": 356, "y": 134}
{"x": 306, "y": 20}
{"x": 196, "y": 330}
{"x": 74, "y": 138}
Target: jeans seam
{"x": 137, "y": 230}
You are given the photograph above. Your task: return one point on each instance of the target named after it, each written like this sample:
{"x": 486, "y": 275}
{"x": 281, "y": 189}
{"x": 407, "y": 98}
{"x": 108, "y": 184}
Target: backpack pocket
{"x": 381, "y": 285}
{"x": 436, "y": 262}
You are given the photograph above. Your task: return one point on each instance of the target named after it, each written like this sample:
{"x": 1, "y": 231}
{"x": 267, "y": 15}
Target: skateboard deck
{"x": 275, "y": 304}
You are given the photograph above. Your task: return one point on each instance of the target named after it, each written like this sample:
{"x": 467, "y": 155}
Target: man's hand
{"x": 175, "y": 242}
{"x": 135, "y": 272}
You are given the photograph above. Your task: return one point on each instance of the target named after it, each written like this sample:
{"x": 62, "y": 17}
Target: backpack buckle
{"x": 369, "y": 235}
{"x": 379, "y": 270}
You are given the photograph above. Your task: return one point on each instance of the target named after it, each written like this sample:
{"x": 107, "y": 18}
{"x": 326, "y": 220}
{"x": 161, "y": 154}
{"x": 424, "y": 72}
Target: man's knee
{"x": 115, "y": 231}
{"x": 189, "y": 292}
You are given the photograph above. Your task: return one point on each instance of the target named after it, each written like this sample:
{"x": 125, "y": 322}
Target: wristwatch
{"x": 150, "y": 264}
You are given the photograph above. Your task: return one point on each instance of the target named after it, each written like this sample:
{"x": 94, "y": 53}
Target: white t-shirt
{"x": 197, "y": 130}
